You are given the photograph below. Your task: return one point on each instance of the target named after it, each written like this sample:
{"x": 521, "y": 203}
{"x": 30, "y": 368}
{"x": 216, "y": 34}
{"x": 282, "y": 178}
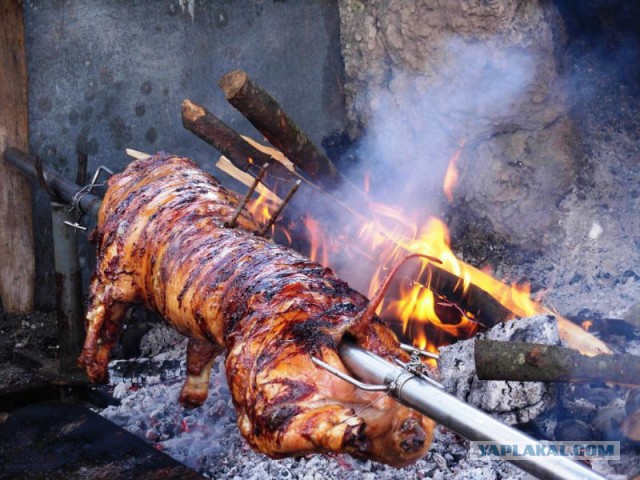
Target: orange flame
{"x": 451, "y": 176}
{"x": 260, "y": 207}
{"x": 420, "y": 314}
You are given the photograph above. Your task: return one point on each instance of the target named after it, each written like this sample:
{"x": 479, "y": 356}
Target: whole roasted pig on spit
{"x": 162, "y": 241}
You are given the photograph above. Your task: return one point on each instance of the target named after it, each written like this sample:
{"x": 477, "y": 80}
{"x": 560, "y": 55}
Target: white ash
{"x": 511, "y": 402}
{"x": 207, "y": 438}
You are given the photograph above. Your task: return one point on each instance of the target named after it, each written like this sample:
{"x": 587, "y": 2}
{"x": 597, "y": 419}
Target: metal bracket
{"x": 75, "y": 225}
{"x": 75, "y": 201}
{"x": 416, "y": 367}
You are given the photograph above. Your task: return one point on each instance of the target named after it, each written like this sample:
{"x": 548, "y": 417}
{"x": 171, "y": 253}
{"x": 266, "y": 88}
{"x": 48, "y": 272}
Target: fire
{"x": 261, "y": 207}
{"x": 418, "y": 311}
{"x": 587, "y": 324}
{"x": 451, "y": 176}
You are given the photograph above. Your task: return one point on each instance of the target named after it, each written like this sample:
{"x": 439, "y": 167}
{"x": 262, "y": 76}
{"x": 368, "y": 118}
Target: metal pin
{"x": 99, "y": 170}
{"x": 247, "y": 196}
{"x": 277, "y": 213}
{"x": 75, "y": 225}
{"x": 362, "y": 386}
{"x": 423, "y": 353}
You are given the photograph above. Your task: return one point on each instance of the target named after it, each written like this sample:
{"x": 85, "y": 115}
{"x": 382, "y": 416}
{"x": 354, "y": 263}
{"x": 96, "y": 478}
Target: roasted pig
{"x": 162, "y": 241}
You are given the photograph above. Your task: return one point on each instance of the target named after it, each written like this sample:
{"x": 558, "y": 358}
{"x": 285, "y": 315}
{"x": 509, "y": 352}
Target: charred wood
{"x": 264, "y": 112}
{"x": 533, "y": 362}
{"x": 222, "y": 137}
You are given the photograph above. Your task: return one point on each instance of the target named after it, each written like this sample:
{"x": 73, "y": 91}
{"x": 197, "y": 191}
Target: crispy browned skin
{"x": 162, "y": 241}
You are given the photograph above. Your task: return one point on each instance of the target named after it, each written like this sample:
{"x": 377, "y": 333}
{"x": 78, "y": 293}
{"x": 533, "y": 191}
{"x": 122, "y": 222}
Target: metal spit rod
{"x": 455, "y": 414}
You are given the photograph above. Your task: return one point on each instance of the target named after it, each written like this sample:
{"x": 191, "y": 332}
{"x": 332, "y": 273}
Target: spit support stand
{"x": 430, "y": 400}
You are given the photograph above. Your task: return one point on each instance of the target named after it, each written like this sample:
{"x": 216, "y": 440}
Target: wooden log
{"x": 486, "y": 310}
{"x": 532, "y": 362}
{"x": 232, "y": 145}
{"x": 17, "y": 260}
{"x": 264, "y": 112}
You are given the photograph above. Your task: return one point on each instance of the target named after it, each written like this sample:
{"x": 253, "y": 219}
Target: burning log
{"x": 533, "y": 362}
{"x": 264, "y": 112}
{"x": 485, "y": 309}
{"x": 230, "y": 143}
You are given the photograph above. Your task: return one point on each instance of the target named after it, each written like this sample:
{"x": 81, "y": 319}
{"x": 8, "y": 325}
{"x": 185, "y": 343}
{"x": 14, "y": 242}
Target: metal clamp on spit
{"x": 87, "y": 189}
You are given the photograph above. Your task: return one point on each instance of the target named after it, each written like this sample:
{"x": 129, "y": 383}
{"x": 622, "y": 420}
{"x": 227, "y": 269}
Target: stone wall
{"x": 482, "y": 73}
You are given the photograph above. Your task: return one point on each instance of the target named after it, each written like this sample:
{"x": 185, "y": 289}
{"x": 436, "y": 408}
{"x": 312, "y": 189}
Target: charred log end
{"x": 191, "y": 112}
{"x": 232, "y": 83}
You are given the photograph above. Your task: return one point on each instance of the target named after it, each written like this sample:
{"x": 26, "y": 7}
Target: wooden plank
{"x": 17, "y": 262}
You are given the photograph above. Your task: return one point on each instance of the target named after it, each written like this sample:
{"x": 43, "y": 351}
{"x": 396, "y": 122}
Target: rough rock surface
{"x": 482, "y": 73}
{"x": 511, "y": 402}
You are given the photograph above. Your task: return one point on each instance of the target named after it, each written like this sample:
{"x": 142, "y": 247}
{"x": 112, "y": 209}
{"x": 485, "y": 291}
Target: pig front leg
{"x": 104, "y": 322}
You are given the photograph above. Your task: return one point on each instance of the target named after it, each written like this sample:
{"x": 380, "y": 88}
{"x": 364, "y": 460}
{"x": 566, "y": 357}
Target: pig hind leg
{"x": 200, "y": 357}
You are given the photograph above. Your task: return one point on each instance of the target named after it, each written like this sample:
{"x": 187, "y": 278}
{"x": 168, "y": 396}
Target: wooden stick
{"x": 17, "y": 259}
{"x": 234, "y": 147}
{"x": 227, "y": 167}
{"x": 264, "y": 112}
{"x": 532, "y": 362}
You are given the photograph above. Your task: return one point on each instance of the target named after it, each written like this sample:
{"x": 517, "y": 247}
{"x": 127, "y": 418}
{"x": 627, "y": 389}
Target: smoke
{"x": 416, "y": 123}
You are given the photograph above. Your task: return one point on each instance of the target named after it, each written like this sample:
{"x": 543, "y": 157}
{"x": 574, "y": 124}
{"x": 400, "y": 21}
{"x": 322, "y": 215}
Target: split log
{"x": 533, "y": 362}
{"x": 17, "y": 260}
{"x": 232, "y": 145}
{"x": 264, "y": 112}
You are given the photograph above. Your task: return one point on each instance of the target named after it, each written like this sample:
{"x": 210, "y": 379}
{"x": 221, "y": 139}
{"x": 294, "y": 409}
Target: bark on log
{"x": 532, "y": 362}
{"x": 17, "y": 262}
{"x": 264, "y": 112}
{"x": 227, "y": 141}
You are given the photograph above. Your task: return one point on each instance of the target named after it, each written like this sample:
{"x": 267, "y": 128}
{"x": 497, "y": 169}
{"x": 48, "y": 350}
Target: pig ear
{"x": 368, "y": 313}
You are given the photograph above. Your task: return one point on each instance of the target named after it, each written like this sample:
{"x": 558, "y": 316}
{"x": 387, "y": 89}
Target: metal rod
{"x": 81, "y": 173}
{"x": 69, "y": 306}
{"x": 423, "y": 353}
{"x": 362, "y": 386}
{"x": 65, "y": 189}
{"x": 247, "y": 196}
{"x": 455, "y": 414}
{"x": 277, "y": 213}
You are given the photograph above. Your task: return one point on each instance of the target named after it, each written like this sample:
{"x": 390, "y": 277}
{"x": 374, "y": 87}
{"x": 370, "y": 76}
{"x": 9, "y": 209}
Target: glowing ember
{"x": 587, "y": 324}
